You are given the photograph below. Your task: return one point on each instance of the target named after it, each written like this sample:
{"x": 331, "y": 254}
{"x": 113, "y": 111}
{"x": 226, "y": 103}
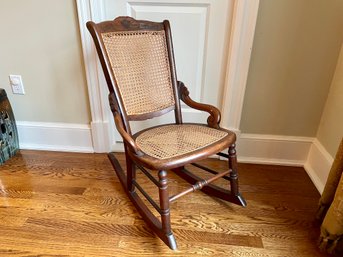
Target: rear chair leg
{"x": 233, "y": 168}
{"x": 234, "y": 176}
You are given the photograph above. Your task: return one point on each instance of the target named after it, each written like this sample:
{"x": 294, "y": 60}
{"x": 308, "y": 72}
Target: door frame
{"x": 238, "y": 60}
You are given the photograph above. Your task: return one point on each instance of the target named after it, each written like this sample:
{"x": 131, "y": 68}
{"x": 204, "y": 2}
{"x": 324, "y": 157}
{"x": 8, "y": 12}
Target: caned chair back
{"x": 138, "y": 63}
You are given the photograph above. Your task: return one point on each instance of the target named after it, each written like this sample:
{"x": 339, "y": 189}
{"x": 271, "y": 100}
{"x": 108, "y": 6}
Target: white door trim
{"x": 241, "y": 39}
{"x": 93, "y": 10}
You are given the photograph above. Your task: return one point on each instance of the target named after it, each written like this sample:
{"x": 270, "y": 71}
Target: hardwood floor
{"x": 70, "y": 204}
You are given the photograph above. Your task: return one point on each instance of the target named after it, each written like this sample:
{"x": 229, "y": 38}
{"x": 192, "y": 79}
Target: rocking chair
{"x": 138, "y": 63}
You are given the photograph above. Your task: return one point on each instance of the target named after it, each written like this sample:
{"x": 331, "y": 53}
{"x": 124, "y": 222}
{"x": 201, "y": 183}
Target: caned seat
{"x": 170, "y": 141}
{"x": 138, "y": 63}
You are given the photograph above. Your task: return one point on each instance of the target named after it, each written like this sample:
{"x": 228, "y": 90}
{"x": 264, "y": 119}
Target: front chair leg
{"x": 130, "y": 173}
{"x": 165, "y": 210}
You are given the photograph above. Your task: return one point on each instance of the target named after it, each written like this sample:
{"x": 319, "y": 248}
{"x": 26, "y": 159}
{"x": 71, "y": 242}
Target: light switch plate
{"x": 17, "y": 84}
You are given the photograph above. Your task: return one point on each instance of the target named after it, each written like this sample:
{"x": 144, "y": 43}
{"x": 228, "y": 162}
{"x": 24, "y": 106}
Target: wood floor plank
{"x": 72, "y": 204}
{"x": 11, "y": 220}
{"x": 119, "y": 215}
{"x": 218, "y": 238}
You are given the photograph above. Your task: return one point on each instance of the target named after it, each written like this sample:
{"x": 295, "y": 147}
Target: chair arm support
{"x": 214, "y": 118}
{"x": 120, "y": 127}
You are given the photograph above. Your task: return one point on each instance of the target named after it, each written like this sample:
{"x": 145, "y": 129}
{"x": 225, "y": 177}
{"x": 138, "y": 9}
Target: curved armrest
{"x": 214, "y": 118}
{"x": 120, "y": 127}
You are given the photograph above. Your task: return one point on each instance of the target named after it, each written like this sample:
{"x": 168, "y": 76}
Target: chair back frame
{"x": 128, "y": 24}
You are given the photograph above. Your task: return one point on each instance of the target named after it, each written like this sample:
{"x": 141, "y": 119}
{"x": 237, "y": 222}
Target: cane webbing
{"x": 175, "y": 140}
{"x": 140, "y": 64}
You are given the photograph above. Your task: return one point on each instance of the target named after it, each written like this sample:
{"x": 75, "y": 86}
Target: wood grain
{"x": 70, "y": 204}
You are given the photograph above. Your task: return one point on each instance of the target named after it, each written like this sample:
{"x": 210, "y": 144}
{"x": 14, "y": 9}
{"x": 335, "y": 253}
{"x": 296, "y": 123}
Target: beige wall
{"x": 330, "y": 131}
{"x": 40, "y": 41}
{"x": 294, "y": 55}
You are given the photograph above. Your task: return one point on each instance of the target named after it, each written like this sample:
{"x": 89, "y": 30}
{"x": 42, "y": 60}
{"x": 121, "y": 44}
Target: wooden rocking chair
{"x": 138, "y": 63}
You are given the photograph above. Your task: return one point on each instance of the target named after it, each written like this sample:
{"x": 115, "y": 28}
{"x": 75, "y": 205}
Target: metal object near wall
{"x": 9, "y": 143}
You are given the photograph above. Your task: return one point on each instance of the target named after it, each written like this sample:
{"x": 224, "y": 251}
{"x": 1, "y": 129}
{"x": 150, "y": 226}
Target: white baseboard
{"x": 100, "y": 134}
{"x": 273, "y": 149}
{"x": 318, "y": 165}
{"x": 55, "y": 136}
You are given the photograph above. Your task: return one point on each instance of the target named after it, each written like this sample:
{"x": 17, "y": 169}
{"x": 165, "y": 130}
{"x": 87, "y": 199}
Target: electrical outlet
{"x": 17, "y": 84}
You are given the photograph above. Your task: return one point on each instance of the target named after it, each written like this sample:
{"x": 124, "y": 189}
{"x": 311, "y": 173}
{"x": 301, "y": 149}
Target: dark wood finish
{"x": 210, "y": 189}
{"x": 214, "y": 118}
{"x": 153, "y": 222}
{"x": 233, "y": 168}
{"x": 198, "y": 185}
{"x": 178, "y": 116}
{"x": 161, "y": 228}
{"x": 128, "y": 24}
{"x": 165, "y": 210}
{"x": 123, "y": 129}
{"x": 131, "y": 173}
{"x": 136, "y": 157}
{"x": 71, "y": 204}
